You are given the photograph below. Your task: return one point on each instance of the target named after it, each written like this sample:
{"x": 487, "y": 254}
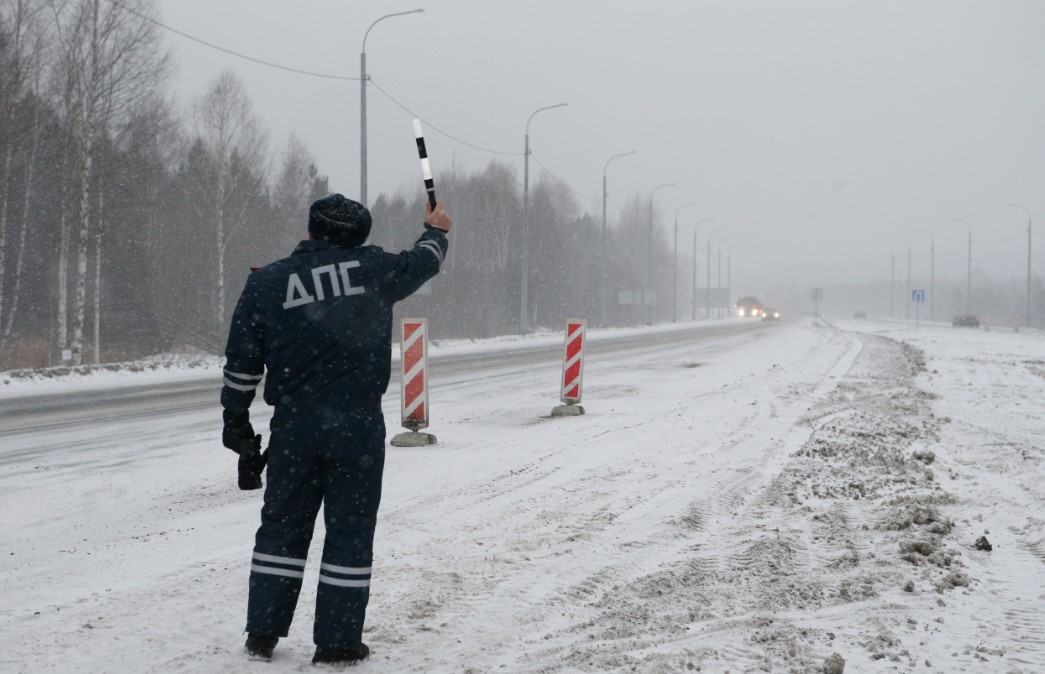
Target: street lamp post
{"x": 907, "y": 315}
{"x": 718, "y": 249}
{"x": 892, "y": 276}
{"x": 729, "y": 277}
{"x": 707, "y": 291}
{"x": 675, "y": 265}
{"x": 605, "y": 194}
{"x": 729, "y": 274}
{"x": 523, "y": 303}
{"x": 932, "y": 272}
{"x": 1027, "y": 317}
{"x": 968, "y": 274}
{"x": 362, "y": 104}
{"x": 649, "y": 257}
{"x": 693, "y": 296}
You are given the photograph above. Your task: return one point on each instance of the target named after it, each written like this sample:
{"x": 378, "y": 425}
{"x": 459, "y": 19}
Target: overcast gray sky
{"x": 815, "y": 131}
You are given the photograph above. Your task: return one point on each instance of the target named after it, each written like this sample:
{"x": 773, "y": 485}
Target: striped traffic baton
{"x": 426, "y": 168}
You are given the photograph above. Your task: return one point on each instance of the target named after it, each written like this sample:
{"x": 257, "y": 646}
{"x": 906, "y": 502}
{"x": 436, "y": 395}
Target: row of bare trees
{"x": 127, "y": 228}
{"x": 477, "y": 293}
{"x": 116, "y": 214}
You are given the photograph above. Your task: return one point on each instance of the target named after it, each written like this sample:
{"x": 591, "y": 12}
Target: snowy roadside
{"x": 170, "y": 368}
{"x": 980, "y": 528}
{"x": 753, "y": 503}
{"x": 44, "y": 381}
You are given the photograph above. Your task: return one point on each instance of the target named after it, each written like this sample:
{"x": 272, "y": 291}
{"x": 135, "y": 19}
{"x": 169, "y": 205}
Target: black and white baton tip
{"x": 426, "y": 168}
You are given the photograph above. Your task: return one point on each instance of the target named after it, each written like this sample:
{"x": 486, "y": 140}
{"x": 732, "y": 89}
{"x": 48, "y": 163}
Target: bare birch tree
{"x": 554, "y": 208}
{"x": 114, "y": 61}
{"x": 63, "y": 87}
{"x": 233, "y": 136}
{"x": 297, "y": 185}
{"x": 22, "y": 41}
{"x": 7, "y": 322}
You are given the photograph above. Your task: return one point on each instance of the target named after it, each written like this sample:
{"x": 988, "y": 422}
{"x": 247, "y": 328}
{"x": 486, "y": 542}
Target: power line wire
{"x": 377, "y": 86}
{"x": 1006, "y": 240}
{"x": 565, "y": 184}
{"x": 229, "y": 51}
{"x": 311, "y": 74}
{"x": 477, "y": 147}
{"x": 429, "y": 125}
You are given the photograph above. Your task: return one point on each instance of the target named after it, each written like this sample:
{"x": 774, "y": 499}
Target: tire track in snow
{"x": 560, "y": 519}
{"x": 713, "y": 558}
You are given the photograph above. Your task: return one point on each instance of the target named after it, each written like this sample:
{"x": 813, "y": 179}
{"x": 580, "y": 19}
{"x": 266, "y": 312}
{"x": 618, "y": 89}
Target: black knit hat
{"x": 342, "y": 222}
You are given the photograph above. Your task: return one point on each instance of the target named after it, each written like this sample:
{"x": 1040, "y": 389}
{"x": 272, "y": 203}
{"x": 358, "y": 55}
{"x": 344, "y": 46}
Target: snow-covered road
{"x": 748, "y": 502}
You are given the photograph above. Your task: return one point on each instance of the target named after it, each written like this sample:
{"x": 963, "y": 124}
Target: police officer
{"x": 319, "y": 324}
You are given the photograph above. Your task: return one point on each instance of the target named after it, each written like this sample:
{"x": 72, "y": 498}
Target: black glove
{"x": 238, "y": 434}
{"x": 251, "y": 463}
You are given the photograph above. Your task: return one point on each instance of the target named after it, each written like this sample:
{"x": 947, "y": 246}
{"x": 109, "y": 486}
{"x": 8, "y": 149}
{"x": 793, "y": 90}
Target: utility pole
{"x": 892, "y": 276}
{"x": 604, "y": 274}
{"x": 525, "y": 276}
{"x": 362, "y": 104}
{"x": 729, "y": 276}
{"x": 693, "y": 295}
{"x": 693, "y": 299}
{"x": 932, "y": 272}
{"x": 968, "y": 273}
{"x": 718, "y": 249}
{"x": 707, "y": 291}
{"x": 1027, "y": 317}
{"x": 675, "y": 265}
{"x": 907, "y": 313}
{"x": 648, "y": 295}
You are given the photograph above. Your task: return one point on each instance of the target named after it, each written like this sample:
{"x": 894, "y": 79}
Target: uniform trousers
{"x": 332, "y": 456}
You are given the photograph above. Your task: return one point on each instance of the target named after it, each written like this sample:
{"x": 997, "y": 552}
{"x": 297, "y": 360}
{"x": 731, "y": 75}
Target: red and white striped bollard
{"x": 413, "y": 361}
{"x": 571, "y": 387}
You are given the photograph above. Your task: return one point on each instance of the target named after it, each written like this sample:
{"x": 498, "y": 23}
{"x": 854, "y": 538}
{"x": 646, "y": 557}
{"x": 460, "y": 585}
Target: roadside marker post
{"x": 413, "y": 360}
{"x": 816, "y": 294}
{"x": 570, "y": 390}
{"x": 917, "y": 296}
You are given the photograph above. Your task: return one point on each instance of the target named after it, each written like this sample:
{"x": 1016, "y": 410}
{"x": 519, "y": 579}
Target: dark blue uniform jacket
{"x": 320, "y": 322}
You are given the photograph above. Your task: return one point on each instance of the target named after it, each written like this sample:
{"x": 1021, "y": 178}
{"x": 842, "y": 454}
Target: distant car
{"x": 749, "y": 307}
{"x": 966, "y": 321}
{"x": 770, "y": 314}
{"x": 860, "y": 314}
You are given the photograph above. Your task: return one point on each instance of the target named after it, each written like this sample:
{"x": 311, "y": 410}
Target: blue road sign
{"x": 917, "y": 295}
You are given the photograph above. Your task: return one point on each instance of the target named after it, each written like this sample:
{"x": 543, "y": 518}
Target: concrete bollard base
{"x": 413, "y": 439}
{"x": 567, "y": 411}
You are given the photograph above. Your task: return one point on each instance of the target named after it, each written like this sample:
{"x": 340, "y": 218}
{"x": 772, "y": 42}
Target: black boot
{"x": 259, "y": 646}
{"x": 341, "y": 656}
